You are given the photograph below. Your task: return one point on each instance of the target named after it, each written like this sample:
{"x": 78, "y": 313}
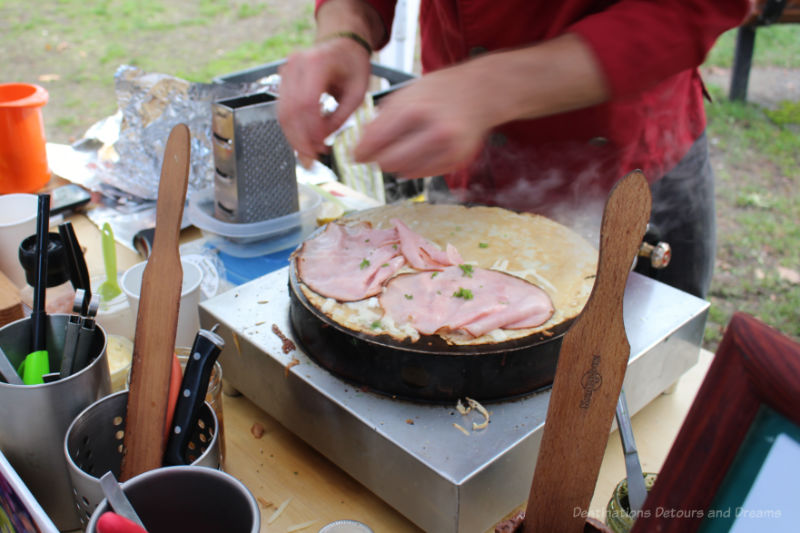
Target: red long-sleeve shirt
{"x": 648, "y": 51}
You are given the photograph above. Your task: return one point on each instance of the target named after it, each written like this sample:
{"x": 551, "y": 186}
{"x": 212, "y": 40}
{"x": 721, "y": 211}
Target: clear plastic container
{"x": 254, "y": 239}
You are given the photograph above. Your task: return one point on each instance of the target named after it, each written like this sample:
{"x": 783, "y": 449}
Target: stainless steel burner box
{"x": 429, "y": 471}
{"x": 254, "y": 176}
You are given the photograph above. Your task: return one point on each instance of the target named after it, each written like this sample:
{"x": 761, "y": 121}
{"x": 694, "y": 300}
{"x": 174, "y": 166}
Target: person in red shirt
{"x": 533, "y": 106}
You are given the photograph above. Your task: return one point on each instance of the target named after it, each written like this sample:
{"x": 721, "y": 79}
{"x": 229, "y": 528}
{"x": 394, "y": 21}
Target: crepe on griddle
{"x": 532, "y": 247}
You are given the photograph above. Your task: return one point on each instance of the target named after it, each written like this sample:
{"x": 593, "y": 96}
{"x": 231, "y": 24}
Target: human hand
{"x": 431, "y": 127}
{"x": 339, "y": 67}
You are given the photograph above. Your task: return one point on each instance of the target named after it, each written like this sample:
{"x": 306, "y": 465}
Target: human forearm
{"x": 545, "y": 79}
{"x": 357, "y": 16}
{"x": 337, "y": 65}
{"x": 439, "y": 121}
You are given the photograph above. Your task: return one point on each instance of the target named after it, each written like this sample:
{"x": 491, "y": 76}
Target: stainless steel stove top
{"x": 410, "y": 454}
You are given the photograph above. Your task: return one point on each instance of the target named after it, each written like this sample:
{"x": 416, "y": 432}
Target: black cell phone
{"x": 68, "y": 198}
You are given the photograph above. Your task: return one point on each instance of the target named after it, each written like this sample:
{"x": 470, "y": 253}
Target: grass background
{"x": 756, "y": 154}
{"x": 73, "y": 48}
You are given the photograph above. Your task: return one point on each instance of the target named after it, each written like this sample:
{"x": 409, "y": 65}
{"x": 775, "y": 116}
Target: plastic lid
{"x": 57, "y": 264}
{"x": 346, "y": 526}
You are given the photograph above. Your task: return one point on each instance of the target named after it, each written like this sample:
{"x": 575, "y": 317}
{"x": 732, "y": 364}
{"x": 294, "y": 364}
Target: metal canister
{"x": 200, "y": 500}
{"x": 35, "y": 418}
{"x": 93, "y": 446}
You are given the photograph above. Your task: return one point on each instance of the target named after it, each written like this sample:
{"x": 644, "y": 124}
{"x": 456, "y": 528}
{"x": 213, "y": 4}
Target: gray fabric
{"x": 684, "y": 216}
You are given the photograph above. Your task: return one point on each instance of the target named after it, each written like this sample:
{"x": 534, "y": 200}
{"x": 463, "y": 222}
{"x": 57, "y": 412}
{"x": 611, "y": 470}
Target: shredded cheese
{"x": 541, "y": 281}
{"x": 461, "y": 429}
{"x": 278, "y": 511}
{"x": 482, "y": 410}
{"x": 500, "y": 264}
{"x": 236, "y": 342}
{"x": 461, "y": 409}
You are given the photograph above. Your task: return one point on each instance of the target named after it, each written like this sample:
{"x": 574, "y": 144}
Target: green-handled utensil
{"x": 108, "y": 290}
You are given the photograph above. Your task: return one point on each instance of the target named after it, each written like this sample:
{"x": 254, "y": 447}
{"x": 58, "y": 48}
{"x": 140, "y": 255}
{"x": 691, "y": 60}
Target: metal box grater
{"x": 390, "y": 80}
{"x": 254, "y": 176}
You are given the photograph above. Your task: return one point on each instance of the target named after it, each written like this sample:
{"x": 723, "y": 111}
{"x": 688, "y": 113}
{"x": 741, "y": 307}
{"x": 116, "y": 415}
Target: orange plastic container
{"x": 23, "y": 159}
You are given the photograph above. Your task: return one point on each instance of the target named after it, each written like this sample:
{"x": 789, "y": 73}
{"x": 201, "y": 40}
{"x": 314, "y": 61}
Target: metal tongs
{"x": 80, "y": 330}
{"x": 80, "y": 326}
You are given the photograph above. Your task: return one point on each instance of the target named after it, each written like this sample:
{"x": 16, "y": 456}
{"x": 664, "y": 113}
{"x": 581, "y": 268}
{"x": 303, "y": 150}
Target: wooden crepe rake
{"x": 157, "y": 321}
{"x": 591, "y": 367}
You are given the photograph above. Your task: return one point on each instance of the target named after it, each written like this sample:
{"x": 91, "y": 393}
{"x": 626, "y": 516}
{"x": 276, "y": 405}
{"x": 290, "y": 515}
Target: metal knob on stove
{"x": 659, "y": 253}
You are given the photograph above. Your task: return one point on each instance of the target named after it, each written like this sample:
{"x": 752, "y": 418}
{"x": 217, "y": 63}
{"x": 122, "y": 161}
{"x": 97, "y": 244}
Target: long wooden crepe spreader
{"x": 591, "y": 366}
{"x": 157, "y": 321}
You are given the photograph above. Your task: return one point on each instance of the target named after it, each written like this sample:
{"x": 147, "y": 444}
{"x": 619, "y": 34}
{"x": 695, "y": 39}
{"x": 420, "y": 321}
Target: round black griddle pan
{"x": 429, "y": 369}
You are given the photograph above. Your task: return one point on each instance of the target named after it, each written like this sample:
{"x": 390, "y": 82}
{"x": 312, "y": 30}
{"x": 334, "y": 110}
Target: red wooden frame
{"x": 754, "y": 366}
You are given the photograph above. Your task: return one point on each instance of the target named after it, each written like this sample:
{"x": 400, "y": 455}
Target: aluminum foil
{"x": 151, "y": 104}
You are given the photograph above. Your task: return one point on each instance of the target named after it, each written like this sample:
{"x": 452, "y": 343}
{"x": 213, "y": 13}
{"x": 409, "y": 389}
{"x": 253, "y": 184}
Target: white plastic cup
{"x": 17, "y": 221}
{"x": 188, "y": 314}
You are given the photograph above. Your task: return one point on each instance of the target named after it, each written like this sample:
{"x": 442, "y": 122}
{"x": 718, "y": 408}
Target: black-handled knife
{"x": 205, "y": 350}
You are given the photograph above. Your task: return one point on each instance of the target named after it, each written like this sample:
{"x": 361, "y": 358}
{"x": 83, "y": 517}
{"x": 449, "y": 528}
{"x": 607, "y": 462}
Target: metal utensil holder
{"x": 35, "y": 418}
{"x": 189, "y": 499}
{"x": 93, "y": 446}
{"x": 254, "y": 176}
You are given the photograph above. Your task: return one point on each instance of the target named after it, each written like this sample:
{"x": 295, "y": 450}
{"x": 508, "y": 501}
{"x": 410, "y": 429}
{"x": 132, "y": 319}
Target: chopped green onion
{"x": 483, "y": 245}
{"x": 463, "y": 293}
{"x": 364, "y": 264}
{"x": 466, "y": 270}
{"x": 409, "y": 296}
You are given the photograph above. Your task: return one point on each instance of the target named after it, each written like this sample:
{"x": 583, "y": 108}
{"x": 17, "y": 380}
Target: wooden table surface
{"x": 278, "y": 466}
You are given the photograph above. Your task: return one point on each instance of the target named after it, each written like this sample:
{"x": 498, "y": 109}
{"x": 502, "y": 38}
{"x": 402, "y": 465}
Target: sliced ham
{"x": 349, "y": 263}
{"x": 421, "y": 253}
{"x": 461, "y": 297}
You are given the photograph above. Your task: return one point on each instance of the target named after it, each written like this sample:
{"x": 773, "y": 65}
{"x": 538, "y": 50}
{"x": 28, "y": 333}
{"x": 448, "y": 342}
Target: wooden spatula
{"x": 157, "y": 321}
{"x": 591, "y": 365}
